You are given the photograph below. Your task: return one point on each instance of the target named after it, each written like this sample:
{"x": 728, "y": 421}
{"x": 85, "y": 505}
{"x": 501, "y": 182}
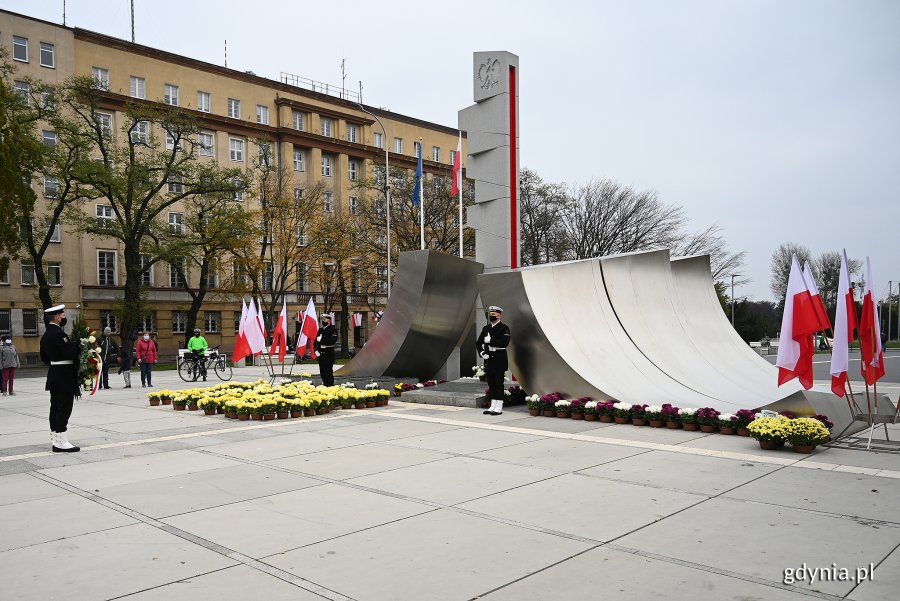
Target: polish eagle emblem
{"x": 489, "y": 73}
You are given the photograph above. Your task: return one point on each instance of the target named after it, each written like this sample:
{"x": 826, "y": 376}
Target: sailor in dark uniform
{"x": 62, "y": 357}
{"x": 324, "y": 346}
{"x": 491, "y": 345}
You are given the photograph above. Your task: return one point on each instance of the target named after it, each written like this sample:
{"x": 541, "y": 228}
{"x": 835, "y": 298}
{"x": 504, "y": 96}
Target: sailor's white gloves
{"x": 485, "y": 356}
{"x": 487, "y": 338}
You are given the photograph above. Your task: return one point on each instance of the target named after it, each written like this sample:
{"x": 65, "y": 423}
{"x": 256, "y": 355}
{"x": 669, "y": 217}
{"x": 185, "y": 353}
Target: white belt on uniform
{"x": 66, "y": 362}
{"x": 496, "y": 348}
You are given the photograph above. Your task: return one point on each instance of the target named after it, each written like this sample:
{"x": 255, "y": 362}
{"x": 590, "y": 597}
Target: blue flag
{"x": 417, "y": 190}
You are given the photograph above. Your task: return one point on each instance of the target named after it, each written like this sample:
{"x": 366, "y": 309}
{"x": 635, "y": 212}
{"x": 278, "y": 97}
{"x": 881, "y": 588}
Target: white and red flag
{"x": 279, "y": 335}
{"x": 799, "y": 323}
{"x": 844, "y": 324}
{"x": 241, "y": 347}
{"x": 356, "y": 320}
{"x": 260, "y": 315}
{"x": 256, "y": 340}
{"x": 309, "y": 329}
{"x": 457, "y": 168}
{"x": 872, "y": 367}
{"x": 818, "y": 305}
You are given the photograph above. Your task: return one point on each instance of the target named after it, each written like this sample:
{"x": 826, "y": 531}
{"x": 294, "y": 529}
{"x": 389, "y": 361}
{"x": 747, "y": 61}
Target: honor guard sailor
{"x": 324, "y": 346}
{"x": 491, "y": 345}
{"x": 62, "y": 356}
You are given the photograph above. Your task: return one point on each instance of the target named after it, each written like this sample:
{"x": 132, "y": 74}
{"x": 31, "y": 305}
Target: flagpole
{"x": 459, "y": 189}
{"x": 421, "y": 198}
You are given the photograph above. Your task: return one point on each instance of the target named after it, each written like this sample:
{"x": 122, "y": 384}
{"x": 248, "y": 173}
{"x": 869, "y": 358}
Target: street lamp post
{"x": 387, "y": 186}
{"x": 732, "y": 300}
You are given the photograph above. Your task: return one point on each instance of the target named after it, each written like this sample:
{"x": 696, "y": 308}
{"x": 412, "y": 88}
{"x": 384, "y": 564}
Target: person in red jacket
{"x": 146, "y": 356}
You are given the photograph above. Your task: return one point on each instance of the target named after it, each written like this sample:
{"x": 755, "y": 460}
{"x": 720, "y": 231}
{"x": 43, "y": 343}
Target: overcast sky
{"x": 779, "y": 120}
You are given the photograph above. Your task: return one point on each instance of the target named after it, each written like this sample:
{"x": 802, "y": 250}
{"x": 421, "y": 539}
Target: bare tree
{"x": 781, "y": 266}
{"x": 543, "y": 206}
{"x": 827, "y": 270}
{"x": 710, "y": 242}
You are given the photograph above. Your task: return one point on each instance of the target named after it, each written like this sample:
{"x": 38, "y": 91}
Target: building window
{"x": 298, "y": 196}
{"x": 417, "y": 149}
{"x": 354, "y": 205}
{"x": 452, "y": 157}
{"x": 239, "y": 189}
{"x": 175, "y": 184}
{"x": 140, "y": 134}
{"x": 138, "y": 87}
{"x": 380, "y": 280}
{"x": 5, "y": 322}
{"x": 301, "y": 236}
{"x": 104, "y": 215}
{"x": 106, "y": 268}
{"x": 379, "y": 207}
{"x": 170, "y": 142}
{"x": 104, "y": 122}
{"x": 328, "y": 203}
{"x": 298, "y": 159}
{"x": 176, "y": 222}
{"x": 204, "y": 102}
{"x": 353, "y": 169}
{"x": 148, "y": 322}
{"x": 327, "y": 163}
{"x": 30, "y": 322}
{"x": 20, "y": 49}
{"x": 207, "y": 143}
{"x": 213, "y": 321}
{"x": 212, "y": 278}
{"x": 179, "y": 322}
{"x": 435, "y": 154}
{"x": 301, "y": 277}
{"x": 55, "y": 235}
{"x": 49, "y": 138}
{"x": 237, "y": 321}
{"x": 47, "y": 58}
{"x": 27, "y": 270}
{"x": 236, "y": 149}
{"x": 108, "y": 320}
{"x": 268, "y": 277}
{"x": 234, "y": 108}
{"x": 23, "y": 90}
{"x": 398, "y": 145}
{"x": 101, "y": 77}
{"x": 54, "y": 273}
{"x": 146, "y": 271}
{"x": 51, "y": 186}
{"x": 299, "y": 120}
{"x": 352, "y": 133}
{"x": 262, "y": 114}
{"x": 265, "y": 154}
{"x": 176, "y": 277}
{"x": 170, "y": 94}
{"x": 379, "y": 141}
{"x": 326, "y": 127}
{"x": 4, "y": 277}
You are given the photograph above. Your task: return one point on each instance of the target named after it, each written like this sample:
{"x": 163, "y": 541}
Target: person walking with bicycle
{"x": 197, "y": 346}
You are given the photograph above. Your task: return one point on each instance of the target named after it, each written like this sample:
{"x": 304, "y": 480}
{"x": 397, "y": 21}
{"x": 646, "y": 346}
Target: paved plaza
{"x": 415, "y": 502}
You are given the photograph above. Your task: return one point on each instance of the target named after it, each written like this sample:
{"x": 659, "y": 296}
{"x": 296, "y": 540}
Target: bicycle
{"x": 193, "y": 367}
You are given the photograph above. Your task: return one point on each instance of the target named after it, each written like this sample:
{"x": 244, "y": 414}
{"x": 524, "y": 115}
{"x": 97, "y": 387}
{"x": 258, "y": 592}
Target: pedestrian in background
{"x": 125, "y": 366}
{"x": 9, "y": 362}
{"x": 146, "y": 356}
{"x": 109, "y": 352}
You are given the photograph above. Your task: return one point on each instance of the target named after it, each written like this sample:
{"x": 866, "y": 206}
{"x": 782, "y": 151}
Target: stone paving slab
{"x": 18, "y": 488}
{"x": 276, "y": 446}
{"x": 560, "y": 455}
{"x": 353, "y": 462}
{"x": 465, "y": 441}
{"x": 762, "y": 540}
{"x": 279, "y": 523}
{"x": 390, "y": 430}
{"x": 885, "y": 581}
{"x": 436, "y": 556}
{"x": 104, "y": 565}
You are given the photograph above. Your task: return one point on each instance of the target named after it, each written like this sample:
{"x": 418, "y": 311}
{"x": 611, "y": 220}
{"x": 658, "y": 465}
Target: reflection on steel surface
{"x": 640, "y": 329}
{"x": 429, "y": 312}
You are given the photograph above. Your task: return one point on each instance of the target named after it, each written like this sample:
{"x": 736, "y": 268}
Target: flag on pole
{"x": 844, "y": 324}
{"x": 799, "y": 323}
{"x": 818, "y": 305}
{"x": 872, "y": 367}
{"x": 309, "y": 329}
{"x": 357, "y": 320}
{"x": 255, "y": 338}
{"x": 241, "y": 347}
{"x": 279, "y": 335}
{"x": 457, "y": 168}
{"x": 259, "y": 319}
{"x": 418, "y": 199}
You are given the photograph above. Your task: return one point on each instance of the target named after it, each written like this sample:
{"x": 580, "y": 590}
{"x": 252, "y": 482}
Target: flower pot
{"x": 743, "y": 432}
{"x": 381, "y": 402}
{"x": 803, "y": 448}
{"x": 605, "y": 419}
{"x": 268, "y": 416}
{"x": 346, "y": 405}
{"x": 707, "y": 428}
{"x": 192, "y": 407}
{"x": 221, "y": 410}
{"x": 690, "y": 427}
{"x": 154, "y": 402}
{"x": 638, "y": 421}
{"x": 370, "y": 404}
{"x": 209, "y": 412}
{"x": 673, "y": 425}
{"x": 166, "y": 401}
{"x": 397, "y": 393}
{"x": 562, "y": 414}
{"x": 621, "y": 420}
{"x": 549, "y": 413}
{"x": 284, "y": 414}
{"x": 360, "y": 405}
{"x": 242, "y": 417}
{"x": 321, "y": 411}
{"x": 256, "y": 416}
{"x": 230, "y": 415}
{"x": 726, "y": 430}
{"x": 178, "y": 407}
{"x": 590, "y": 417}
{"x": 296, "y": 413}
{"x": 770, "y": 445}
{"x": 534, "y": 412}
{"x": 385, "y": 402}
{"x": 578, "y": 416}
{"x": 656, "y": 423}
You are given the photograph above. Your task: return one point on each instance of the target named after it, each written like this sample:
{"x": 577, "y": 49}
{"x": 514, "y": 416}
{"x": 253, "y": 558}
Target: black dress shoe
{"x": 487, "y": 412}
{"x": 72, "y": 450}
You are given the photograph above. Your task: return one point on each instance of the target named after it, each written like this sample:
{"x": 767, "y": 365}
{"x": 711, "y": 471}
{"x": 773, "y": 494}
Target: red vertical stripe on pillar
{"x": 513, "y": 173}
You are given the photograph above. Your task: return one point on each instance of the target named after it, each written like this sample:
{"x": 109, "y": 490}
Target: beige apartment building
{"x": 319, "y": 133}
